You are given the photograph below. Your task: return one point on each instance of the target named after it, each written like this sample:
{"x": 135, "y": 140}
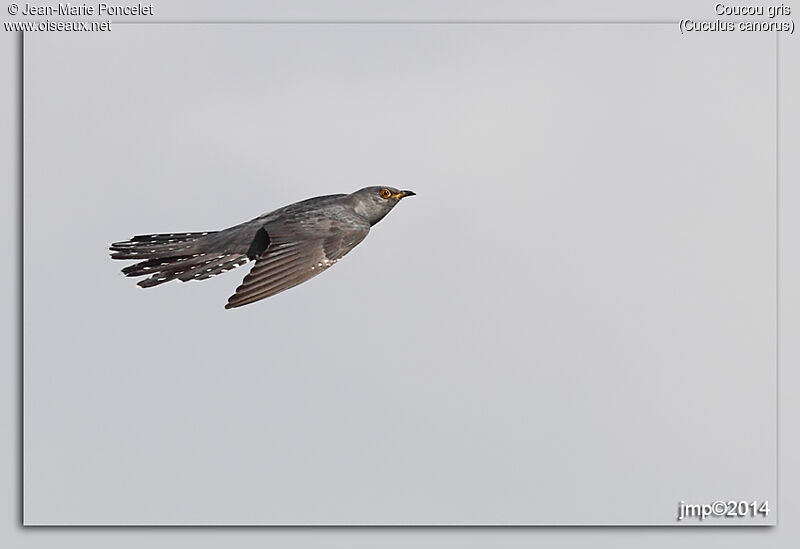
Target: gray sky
{"x": 558, "y": 329}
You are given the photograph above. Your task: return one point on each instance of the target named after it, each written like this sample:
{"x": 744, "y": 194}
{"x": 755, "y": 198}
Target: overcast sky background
{"x": 573, "y": 322}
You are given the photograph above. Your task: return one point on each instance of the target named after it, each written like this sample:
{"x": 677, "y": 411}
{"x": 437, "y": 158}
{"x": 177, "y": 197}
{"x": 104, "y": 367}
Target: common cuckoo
{"x": 289, "y": 245}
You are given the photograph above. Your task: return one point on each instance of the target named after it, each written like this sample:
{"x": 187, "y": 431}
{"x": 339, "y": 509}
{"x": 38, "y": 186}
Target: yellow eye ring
{"x": 385, "y": 193}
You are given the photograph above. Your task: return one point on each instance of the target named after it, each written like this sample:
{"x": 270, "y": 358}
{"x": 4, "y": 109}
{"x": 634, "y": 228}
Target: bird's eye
{"x": 385, "y": 193}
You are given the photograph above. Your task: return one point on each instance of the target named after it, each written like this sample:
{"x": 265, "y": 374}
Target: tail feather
{"x": 215, "y": 266}
{"x": 171, "y": 256}
{"x": 153, "y": 246}
{"x": 151, "y": 266}
{"x": 168, "y": 237}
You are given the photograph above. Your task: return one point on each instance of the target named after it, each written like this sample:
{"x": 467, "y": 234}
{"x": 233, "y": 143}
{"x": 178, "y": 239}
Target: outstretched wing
{"x": 300, "y": 247}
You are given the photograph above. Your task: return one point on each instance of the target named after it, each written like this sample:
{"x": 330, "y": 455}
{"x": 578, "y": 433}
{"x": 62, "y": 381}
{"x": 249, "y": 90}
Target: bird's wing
{"x": 300, "y": 247}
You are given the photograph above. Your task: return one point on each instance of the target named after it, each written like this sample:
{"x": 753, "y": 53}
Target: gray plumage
{"x": 289, "y": 245}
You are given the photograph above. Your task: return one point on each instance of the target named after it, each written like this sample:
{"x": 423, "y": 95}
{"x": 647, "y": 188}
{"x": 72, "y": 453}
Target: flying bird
{"x": 289, "y": 245}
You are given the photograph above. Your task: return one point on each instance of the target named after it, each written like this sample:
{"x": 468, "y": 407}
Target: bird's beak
{"x": 403, "y": 194}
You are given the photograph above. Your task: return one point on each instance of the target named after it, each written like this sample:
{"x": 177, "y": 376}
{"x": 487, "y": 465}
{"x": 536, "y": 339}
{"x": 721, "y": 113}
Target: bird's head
{"x": 373, "y": 203}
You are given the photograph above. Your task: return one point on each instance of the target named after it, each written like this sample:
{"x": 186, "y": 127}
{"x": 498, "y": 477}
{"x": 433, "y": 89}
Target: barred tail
{"x": 170, "y": 256}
